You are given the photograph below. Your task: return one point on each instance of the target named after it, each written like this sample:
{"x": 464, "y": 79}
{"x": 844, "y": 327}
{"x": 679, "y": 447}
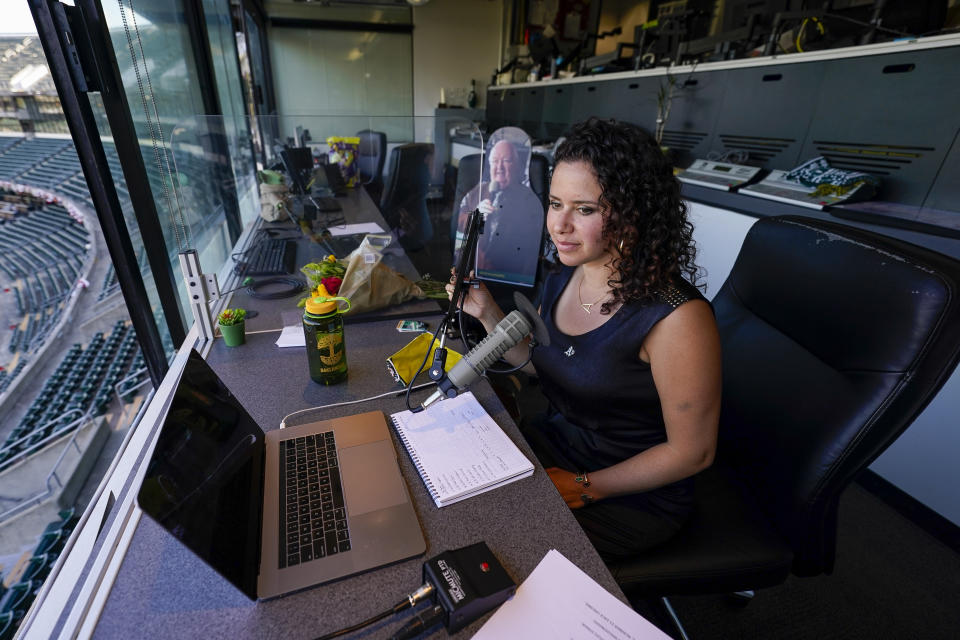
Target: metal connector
{"x": 421, "y": 594}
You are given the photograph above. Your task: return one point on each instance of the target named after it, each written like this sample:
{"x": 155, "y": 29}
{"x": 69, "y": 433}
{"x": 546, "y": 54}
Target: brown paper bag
{"x": 370, "y": 284}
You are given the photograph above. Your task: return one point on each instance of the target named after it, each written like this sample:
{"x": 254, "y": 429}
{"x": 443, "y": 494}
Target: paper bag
{"x": 371, "y": 285}
{"x": 272, "y": 201}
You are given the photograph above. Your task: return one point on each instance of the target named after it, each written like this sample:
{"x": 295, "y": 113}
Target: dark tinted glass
{"x": 204, "y": 483}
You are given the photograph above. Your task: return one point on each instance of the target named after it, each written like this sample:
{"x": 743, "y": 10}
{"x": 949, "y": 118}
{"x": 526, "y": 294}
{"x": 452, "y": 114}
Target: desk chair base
{"x": 675, "y": 619}
{"x": 742, "y": 598}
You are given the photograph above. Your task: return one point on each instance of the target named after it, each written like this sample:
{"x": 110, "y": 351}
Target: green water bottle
{"x": 323, "y": 330}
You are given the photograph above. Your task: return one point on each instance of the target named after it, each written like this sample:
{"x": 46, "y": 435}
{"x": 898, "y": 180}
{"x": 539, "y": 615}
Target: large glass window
{"x": 197, "y": 200}
{"x": 236, "y": 134}
{"x": 72, "y": 377}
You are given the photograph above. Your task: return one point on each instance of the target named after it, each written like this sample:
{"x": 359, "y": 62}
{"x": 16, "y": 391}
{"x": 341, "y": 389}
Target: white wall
{"x": 923, "y": 460}
{"x": 454, "y": 41}
{"x": 340, "y": 72}
{"x": 718, "y": 234}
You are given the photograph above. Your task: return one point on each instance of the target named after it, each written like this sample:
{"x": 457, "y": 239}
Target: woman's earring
{"x": 620, "y": 248}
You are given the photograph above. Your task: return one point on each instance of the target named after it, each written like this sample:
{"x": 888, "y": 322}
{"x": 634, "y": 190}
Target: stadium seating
{"x": 83, "y": 383}
{"x": 15, "y": 601}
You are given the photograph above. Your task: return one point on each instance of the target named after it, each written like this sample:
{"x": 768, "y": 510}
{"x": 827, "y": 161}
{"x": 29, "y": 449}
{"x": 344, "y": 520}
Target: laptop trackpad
{"x": 371, "y": 478}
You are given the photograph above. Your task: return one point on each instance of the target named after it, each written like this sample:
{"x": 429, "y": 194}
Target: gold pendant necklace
{"x": 586, "y": 305}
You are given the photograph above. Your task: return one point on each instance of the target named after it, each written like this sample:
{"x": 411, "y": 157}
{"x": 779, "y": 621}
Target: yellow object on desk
{"x": 403, "y": 364}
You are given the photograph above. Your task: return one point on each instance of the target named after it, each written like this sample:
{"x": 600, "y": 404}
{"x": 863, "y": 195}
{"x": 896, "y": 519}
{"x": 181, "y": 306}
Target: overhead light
{"x": 417, "y": 3}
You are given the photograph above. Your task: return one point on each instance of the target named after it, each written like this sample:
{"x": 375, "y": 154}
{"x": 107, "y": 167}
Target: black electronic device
{"x": 298, "y": 162}
{"x": 613, "y": 61}
{"x": 678, "y": 21}
{"x": 334, "y": 178}
{"x": 468, "y": 582}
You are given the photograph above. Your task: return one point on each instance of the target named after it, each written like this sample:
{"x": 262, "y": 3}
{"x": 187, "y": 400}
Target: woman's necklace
{"x": 586, "y": 305}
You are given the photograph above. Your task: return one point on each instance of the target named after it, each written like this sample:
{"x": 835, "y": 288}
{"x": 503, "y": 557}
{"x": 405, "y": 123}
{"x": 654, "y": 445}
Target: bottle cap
{"x": 321, "y": 302}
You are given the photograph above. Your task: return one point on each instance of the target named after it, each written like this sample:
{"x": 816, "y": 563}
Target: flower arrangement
{"x": 230, "y": 317}
{"x": 329, "y": 272}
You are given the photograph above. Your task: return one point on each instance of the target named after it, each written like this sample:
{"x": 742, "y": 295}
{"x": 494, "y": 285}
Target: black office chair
{"x": 371, "y": 156}
{"x": 404, "y": 201}
{"x": 834, "y": 339}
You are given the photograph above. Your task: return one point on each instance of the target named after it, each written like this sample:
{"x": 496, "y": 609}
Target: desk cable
{"x": 394, "y": 392}
{"x": 425, "y": 591}
{"x": 441, "y": 326}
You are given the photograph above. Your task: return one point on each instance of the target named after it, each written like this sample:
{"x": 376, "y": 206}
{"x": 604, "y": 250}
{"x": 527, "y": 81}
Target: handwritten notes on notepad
{"x": 459, "y": 450}
{"x": 558, "y": 600}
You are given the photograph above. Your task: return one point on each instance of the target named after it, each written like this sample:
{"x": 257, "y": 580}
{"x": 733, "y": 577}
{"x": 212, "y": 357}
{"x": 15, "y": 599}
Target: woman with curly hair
{"x": 632, "y": 372}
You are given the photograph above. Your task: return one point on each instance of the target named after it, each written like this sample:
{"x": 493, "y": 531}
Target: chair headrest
{"x": 857, "y": 300}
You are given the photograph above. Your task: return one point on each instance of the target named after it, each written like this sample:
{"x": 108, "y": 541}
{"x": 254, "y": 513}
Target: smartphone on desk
{"x": 412, "y": 326}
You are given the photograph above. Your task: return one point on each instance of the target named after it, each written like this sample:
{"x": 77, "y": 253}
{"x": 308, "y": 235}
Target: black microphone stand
{"x": 468, "y": 251}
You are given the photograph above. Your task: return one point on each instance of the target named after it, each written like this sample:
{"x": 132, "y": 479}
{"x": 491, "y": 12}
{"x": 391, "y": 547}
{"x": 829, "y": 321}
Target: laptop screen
{"x": 204, "y": 482}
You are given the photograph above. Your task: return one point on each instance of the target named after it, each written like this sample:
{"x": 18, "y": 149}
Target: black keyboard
{"x": 269, "y": 257}
{"x": 313, "y": 516}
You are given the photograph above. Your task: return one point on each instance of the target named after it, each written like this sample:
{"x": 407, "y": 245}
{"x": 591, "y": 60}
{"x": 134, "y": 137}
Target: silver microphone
{"x": 496, "y": 190}
{"x": 506, "y": 335}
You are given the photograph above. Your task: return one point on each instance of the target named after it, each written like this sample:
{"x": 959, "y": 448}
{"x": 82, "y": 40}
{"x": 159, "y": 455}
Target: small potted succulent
{"x": 232, "y": 326}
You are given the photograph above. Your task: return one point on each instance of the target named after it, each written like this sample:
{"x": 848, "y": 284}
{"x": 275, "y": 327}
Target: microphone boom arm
{"x": 509, "y": 332}
{"x": 467, "y": 252}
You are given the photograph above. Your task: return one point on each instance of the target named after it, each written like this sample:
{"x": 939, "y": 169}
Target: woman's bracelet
{"x": 581, "y": 478}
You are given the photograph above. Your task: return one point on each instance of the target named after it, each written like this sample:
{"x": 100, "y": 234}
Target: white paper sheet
{"x": 350, "y": 229}
{"x": 558, "y": 601}
{"x": 292, "y": 337}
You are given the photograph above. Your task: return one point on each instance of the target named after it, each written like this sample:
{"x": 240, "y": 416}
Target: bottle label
{"x": 330, "y": 348}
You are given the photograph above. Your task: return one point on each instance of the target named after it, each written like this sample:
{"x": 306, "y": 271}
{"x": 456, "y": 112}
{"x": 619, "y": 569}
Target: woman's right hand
{"x": 478, "y": 303}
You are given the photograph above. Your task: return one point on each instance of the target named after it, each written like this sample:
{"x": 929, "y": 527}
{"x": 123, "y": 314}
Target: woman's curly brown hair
{"x": 643, "y": 207}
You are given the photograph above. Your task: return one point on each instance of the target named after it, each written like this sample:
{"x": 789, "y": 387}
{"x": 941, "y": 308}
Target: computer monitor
{"x": 298, "y": 162}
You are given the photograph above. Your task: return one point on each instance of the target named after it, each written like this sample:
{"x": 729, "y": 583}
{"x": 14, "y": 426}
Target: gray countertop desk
{"x": 163, "y": 591}
{"x": 357, "y": 207}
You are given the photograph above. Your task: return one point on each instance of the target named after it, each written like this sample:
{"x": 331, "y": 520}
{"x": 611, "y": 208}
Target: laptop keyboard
{"x": 313, "y": 517}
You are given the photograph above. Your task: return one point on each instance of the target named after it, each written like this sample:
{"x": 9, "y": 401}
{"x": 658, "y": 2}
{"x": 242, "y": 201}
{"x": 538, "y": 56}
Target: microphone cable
{"x": 425, "y": 591}
{"x": 440, "y": 327}
{"x": 420, "y": 623}
{"x": 394, "y": 393}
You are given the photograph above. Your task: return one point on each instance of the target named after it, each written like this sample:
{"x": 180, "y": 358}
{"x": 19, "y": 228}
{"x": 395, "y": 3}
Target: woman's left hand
{"x": 569, "y": 489}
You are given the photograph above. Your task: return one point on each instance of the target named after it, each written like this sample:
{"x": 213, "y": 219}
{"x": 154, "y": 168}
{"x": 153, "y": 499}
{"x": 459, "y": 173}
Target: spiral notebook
{"x": 458, "y": 449}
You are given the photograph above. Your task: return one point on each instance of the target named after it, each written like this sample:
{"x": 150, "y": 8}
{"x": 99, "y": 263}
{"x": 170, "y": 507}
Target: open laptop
{"x": 214, "y": 482}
